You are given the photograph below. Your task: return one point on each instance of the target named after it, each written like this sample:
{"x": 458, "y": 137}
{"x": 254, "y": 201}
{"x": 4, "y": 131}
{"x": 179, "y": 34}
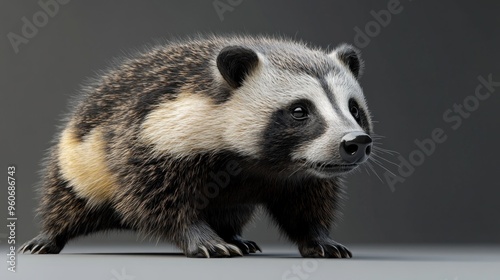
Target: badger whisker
{"x": 377, "y": 162}
{"x": 384, "y": 159}
{"x": 387, "y": 151}
{"x": 373, "y": 170}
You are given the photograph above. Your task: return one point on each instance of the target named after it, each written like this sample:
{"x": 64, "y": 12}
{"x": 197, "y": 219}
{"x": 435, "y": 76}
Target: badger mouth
{"x": 329, "y": 169}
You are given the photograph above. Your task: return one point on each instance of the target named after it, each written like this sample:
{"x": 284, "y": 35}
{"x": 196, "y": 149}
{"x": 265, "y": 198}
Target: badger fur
{"x": 184, "y": 141}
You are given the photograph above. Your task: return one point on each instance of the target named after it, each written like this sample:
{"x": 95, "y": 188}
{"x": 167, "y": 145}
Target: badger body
{"x": 184, "y": 141}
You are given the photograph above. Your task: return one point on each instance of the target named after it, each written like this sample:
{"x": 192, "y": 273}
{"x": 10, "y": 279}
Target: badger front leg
{"x": 305, "y": 214}
{"x": 181, "y": 226}
{"x": 200, "y": 240}
{"x": 178, "y": 223}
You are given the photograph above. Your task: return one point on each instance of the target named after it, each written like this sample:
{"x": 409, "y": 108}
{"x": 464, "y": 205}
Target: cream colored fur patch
{"x": 190, "y": 124}
{"x": 83, "y": 164}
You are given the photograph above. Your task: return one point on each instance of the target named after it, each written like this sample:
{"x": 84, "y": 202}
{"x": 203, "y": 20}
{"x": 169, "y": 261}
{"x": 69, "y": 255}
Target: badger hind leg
{"x": 66, "y": 219}
{"x": 64, "y": 216}
{"x": 58, "y": 230}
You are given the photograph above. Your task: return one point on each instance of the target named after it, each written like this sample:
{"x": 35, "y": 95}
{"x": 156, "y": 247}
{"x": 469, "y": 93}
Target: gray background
{"x": 426, "y": 59}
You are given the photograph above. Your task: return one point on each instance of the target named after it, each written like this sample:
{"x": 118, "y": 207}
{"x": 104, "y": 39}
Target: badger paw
{"x": 246, "y": 246}
{"x": 41, "y": 245}
{"x": 324, "y": 248}
{"x": 218, "y": 250}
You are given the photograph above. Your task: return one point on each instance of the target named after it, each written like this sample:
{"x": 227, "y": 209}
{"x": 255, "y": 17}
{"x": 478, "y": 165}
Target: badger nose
{"x": 355, "y": 147}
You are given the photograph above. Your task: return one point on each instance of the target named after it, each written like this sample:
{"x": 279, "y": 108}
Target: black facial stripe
{"x": 362, "y": 119}
{"x": 331, "y": 97}
{"x": 284, "y": 134}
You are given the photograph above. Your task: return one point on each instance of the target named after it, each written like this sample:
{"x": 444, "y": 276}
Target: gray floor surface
{"x": 160, "y": 262}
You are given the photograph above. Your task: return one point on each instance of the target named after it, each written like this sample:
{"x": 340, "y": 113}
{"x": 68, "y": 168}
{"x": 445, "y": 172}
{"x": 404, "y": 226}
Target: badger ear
{"x": 351, "y": 57}
{"x": 235, "y": 63}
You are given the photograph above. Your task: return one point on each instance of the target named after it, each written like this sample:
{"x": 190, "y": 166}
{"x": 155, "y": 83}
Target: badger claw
{"x": 326, "y": 248}
{"x": 219, "y": 250}
{"x": 244, "y": 245}
{"x": 203, "y": 252}
{"x": 40, "y": 245}
{"x": 223, "y": 251}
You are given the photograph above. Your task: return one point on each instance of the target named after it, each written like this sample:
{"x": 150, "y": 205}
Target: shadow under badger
{"x": 140, "y": 149}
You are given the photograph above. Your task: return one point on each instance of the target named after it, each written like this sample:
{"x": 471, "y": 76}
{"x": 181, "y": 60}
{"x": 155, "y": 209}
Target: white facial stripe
{"x": 345, "y": 87}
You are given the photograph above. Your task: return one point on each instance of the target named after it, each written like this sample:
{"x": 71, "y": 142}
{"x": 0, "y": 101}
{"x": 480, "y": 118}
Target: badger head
{"x": 297, "y": 109}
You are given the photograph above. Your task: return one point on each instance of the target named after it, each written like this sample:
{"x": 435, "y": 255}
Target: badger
{"x": 185, "y": 140}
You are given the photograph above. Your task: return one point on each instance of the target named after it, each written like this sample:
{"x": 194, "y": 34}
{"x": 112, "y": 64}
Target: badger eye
{"x": 299, "y": 112}
{"x": 354, "y": 109}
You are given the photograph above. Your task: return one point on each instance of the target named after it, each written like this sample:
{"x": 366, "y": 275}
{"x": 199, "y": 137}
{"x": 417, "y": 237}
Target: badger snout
{"x": 355, "y": 147}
